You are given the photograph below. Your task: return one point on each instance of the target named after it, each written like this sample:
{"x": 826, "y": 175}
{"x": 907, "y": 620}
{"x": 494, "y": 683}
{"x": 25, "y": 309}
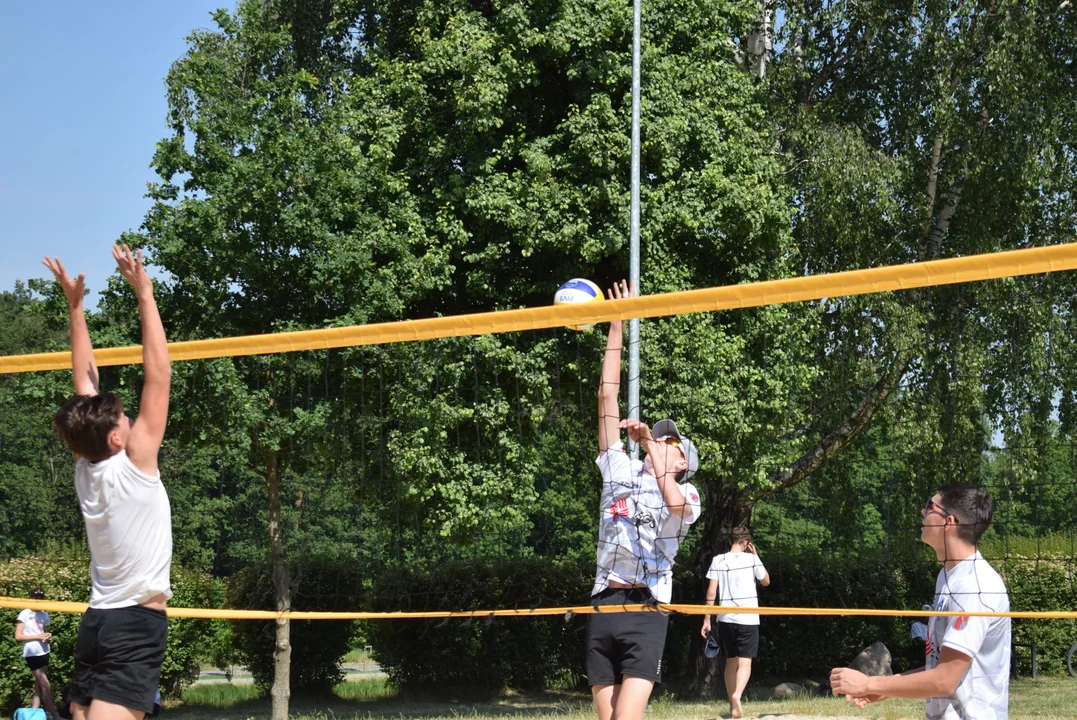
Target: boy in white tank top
{"x": 967, "y": 673}
{"x": 122, "y": 636}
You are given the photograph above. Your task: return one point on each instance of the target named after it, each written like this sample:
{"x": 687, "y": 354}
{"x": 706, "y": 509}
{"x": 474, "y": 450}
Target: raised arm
{"x": 148, "y": 431}
{"x": 83, "y": 366}
{"x": 609, "y": 388}
{"x": 664, "y": 473}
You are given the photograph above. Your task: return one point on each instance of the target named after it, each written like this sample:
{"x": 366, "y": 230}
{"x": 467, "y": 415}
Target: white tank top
{"x": 129, "y": 530}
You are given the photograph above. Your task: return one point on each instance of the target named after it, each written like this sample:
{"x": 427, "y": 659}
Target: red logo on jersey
{"x": 695, "y": 498}
{"x": 619, "y": 509}
{"x": 961, "y": 622}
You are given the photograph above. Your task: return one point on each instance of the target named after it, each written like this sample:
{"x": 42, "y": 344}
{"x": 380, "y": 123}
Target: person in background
{"x": 31, "y": 629}
{"x": 733, "y": 576}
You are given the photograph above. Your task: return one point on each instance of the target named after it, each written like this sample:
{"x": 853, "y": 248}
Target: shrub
{"x": 65, "y": 576}
{"x": 1043, "y": 585}
{"x": 317, "y": 645}
{"x": 482, "y": 654}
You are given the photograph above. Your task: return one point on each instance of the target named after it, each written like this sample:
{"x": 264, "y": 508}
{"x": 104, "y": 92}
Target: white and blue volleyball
{"x": 578, "y": 291}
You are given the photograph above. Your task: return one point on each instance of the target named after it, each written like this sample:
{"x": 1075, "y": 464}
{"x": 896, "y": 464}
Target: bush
{"x": 1043, "y": 585}
{"x": 483, "y": 654}
{"x": 65, "y": 576}
{"x": 317, "y": 645}
{"x": 809, "y": 646}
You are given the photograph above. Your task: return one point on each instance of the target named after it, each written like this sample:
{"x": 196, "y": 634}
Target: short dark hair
{"x": 84, "y": 422}
{"x": 972, "y": 507}
{"x": 739, "y": 535}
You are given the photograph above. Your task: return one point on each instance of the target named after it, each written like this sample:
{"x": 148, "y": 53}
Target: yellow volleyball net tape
{"x": 1032, "y": 261}
{"x": 225, "y": 614}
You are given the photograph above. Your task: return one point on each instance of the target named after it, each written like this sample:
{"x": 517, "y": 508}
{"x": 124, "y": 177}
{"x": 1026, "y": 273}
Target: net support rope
{"x": 679, "y": 608}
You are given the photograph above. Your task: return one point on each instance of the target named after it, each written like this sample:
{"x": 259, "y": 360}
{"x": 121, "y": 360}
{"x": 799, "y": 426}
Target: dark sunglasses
{"x": 933, "y": 506}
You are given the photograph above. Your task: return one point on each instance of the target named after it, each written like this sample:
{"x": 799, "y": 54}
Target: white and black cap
{"x": 668, "y": 428}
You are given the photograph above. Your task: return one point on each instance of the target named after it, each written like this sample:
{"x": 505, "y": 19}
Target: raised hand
{"x": 74, "y": 290}
{"x": 132, "y": 269}
{"x": 618, "y": 291}
{"x": 638, "y": 431}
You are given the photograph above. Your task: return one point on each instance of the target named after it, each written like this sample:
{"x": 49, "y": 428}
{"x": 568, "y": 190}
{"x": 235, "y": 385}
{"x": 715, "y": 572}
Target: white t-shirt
{"x": 129, "y": 530}
{"x": 736, "y": 573}
{"x": 638, "y": 536}
{"x": 983, "y": 693}
{"x": 34, "y": 622}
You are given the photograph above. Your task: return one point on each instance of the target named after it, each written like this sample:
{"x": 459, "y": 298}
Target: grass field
{"x": 1043, "y": 699}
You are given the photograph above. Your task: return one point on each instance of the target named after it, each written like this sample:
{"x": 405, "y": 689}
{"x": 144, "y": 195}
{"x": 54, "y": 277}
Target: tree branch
{"x": 840, "y": 438}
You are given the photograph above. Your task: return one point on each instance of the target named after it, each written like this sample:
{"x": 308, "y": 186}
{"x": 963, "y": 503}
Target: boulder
{"x": 788, "y": 691}
{"x": 873, "y": 660}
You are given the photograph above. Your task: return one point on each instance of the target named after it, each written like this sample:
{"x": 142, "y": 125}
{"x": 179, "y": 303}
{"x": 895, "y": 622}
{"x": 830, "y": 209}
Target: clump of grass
{"x": 364, "y": 690}
{"x": 221, "y": 695}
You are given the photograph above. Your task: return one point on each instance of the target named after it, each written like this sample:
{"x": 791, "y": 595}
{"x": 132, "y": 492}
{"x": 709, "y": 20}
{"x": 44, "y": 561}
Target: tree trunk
{"x": 726, "y": 508}
{"x": 282, "y": 648}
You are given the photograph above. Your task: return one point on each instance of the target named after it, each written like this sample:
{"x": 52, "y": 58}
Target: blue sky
{"x": 83, "y": 108}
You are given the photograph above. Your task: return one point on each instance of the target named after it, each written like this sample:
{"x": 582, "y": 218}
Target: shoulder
{"x": 25, "y": 615}
{"x": 125, "y": 465}
{"x": 690, "y": 493}
{"x": 615, "y": 452}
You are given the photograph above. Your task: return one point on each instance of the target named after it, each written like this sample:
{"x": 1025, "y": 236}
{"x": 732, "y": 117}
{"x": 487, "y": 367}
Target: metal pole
{"x": 633, "y": 263}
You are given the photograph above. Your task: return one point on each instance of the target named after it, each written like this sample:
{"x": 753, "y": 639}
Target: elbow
{"x": 947, "y": 685}
{"x": 765, "y": 582}
{"x": 159, "y": 373}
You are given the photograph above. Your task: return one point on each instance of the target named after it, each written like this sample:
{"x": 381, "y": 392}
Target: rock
{"x": 788, "y": 691}
{"x": 873, "y": 660}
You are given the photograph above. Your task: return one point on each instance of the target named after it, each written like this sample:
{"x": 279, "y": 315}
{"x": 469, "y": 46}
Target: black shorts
{"x": 737, "y": 640}
{"x": 620, "y": 643}
{"x": 37, "y": 662}
{"x": 118, "y": 656}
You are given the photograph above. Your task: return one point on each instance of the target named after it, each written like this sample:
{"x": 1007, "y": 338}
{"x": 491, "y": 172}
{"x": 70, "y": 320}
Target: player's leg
{"x": 105, "y": 710}
{"x": 605, "y": 699}
{"x": 633, "y": 697}
{"x": 740, "y": 680}
{"x": 43, "y": 690}
{"x": 603, "y": 666}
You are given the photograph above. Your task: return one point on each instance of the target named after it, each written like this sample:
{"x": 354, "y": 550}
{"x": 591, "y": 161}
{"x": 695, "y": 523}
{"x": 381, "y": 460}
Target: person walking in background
{"x": 31, "y": 629}
{"x": 732, "y": 578}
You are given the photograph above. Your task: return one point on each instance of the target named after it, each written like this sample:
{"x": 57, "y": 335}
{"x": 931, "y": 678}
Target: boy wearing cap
{"x": 31, "y": 630}
{"x": 122, "y": 636}
{"x": 644, "y": 514}
{"x": 733, "y": 575}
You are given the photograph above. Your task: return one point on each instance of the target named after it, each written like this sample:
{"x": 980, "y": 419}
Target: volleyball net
{"x": 444, "y": 468}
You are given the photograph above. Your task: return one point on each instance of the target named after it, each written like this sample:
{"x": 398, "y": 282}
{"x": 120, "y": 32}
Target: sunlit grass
{"x": 370, "y": 699}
